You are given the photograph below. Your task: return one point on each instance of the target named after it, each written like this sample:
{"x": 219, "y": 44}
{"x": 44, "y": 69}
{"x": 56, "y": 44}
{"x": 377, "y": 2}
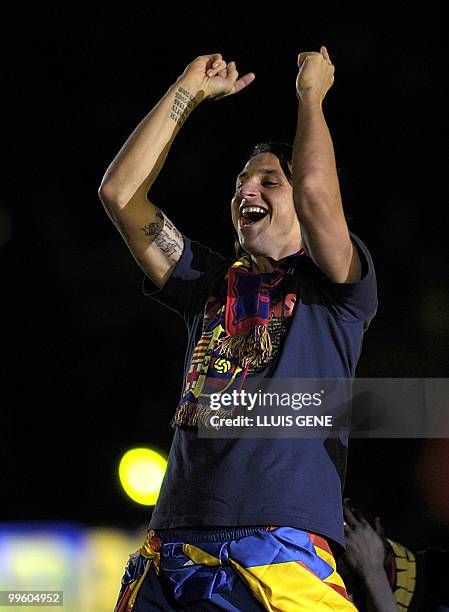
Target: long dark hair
{"x": 284, "y": 152}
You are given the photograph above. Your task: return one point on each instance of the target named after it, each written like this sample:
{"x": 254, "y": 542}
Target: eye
{"x": 263, "y": 183}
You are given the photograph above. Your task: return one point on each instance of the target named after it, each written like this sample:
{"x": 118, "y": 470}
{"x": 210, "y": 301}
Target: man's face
{"x": 263, "y": 212}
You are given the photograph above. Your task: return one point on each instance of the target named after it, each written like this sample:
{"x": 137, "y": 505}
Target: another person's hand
{"x": 365, "y": 551}
{"x": 213, "y": 78}
{"x": 316, "y": 73}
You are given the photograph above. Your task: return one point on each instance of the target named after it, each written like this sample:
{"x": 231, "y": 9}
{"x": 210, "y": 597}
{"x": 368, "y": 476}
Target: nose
{"x": 249, "y": 190}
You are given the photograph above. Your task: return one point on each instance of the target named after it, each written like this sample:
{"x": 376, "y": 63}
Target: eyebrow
{"x": 261, "y": 171}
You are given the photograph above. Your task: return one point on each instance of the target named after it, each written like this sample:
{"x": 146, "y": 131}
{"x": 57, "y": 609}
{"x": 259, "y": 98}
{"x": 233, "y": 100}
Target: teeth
{"x": 250, "y": 209}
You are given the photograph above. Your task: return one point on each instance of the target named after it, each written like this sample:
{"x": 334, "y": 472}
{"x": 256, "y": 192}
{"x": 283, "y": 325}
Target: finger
{"x": 232, "y": 71}
{"x": 304, "y": 54}
{"x": 302, "y": 63}
{"x": 364, "y": 522}
{"x": 236, "y": 84}
{"x": 213, "y": 58}
{"x": 378, "y": 527}
{"x": 217, "y": 66}
{"x": 301, "y": 57}
{"x": 349, "y": 517}
{"x": 212, "y": 61}
{"x": 231, "y": 74}
{"x": 243, "y": 82}
{"x": 325, "y": 54}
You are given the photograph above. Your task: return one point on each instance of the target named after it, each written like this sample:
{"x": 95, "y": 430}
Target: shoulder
{"x": 355, "y": 301}
{"x": 195, "y": 276}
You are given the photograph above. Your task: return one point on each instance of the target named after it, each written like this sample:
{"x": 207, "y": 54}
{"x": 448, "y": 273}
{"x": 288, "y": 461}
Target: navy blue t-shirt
{"x": 271, "y": 481}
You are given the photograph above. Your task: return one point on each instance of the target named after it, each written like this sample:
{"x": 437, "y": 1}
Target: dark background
{"x": 91, "y": 367}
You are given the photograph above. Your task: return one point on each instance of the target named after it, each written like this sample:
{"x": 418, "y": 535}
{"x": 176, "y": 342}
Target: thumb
{"x": 324, "y": 52}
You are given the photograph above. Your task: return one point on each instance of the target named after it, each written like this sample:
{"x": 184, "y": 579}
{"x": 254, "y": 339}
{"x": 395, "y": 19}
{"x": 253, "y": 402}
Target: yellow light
{"x": 141, "y": 472}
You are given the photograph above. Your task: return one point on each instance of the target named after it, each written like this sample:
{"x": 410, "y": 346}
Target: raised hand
{"x": 364, "y": 548}
{"x": 211, "y": 77}
{"x": 316, "y": 73}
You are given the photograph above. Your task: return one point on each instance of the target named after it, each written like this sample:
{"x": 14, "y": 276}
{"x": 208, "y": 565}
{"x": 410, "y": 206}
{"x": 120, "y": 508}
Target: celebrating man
{"x": 248, "y": 523}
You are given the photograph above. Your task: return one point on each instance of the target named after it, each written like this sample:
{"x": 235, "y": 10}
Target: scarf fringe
{"x": 192, "y": 415}
{"x": 252, "y": 350}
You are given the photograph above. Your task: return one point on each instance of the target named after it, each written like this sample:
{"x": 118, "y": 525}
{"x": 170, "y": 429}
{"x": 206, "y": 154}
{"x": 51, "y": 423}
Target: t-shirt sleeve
{"x": 193, "y": 279}
{"x": 355, "y": 301}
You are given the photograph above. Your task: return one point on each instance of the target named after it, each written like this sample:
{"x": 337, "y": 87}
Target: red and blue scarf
{"x": 238, "y": 330}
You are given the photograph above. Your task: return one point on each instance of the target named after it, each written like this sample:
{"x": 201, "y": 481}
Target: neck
{"x": 261, "y": 264}
{"x": 266, "y": 263}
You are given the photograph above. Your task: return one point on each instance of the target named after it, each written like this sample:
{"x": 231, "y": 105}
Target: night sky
{"x": 91, "y": 367}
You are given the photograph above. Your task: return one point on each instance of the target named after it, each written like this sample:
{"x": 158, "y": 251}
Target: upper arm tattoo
{"x": 165, "y": 236}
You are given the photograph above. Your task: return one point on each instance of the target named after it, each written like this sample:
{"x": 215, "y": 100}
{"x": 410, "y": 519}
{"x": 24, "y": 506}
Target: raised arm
{"x": 152, "y": 238}
{"x": 316, "y": 189}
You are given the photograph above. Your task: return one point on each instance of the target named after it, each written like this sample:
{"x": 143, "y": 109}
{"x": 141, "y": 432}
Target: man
{"x": 248, "y": 524}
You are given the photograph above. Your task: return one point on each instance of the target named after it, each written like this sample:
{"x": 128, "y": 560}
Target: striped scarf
{"x": 246, "y": 336}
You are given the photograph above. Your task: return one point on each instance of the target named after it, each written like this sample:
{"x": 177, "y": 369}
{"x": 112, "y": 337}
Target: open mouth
{"x": 249, "y": 215}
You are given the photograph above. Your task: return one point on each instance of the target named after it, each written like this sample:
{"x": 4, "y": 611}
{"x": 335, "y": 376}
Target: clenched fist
{"x": 316, "y": 73}
{"x": 213, "y": 78}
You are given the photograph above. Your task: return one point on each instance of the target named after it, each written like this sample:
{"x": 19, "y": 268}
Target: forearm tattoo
{"x": 183, "y": 105}
{"x": 164, "y": 235}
